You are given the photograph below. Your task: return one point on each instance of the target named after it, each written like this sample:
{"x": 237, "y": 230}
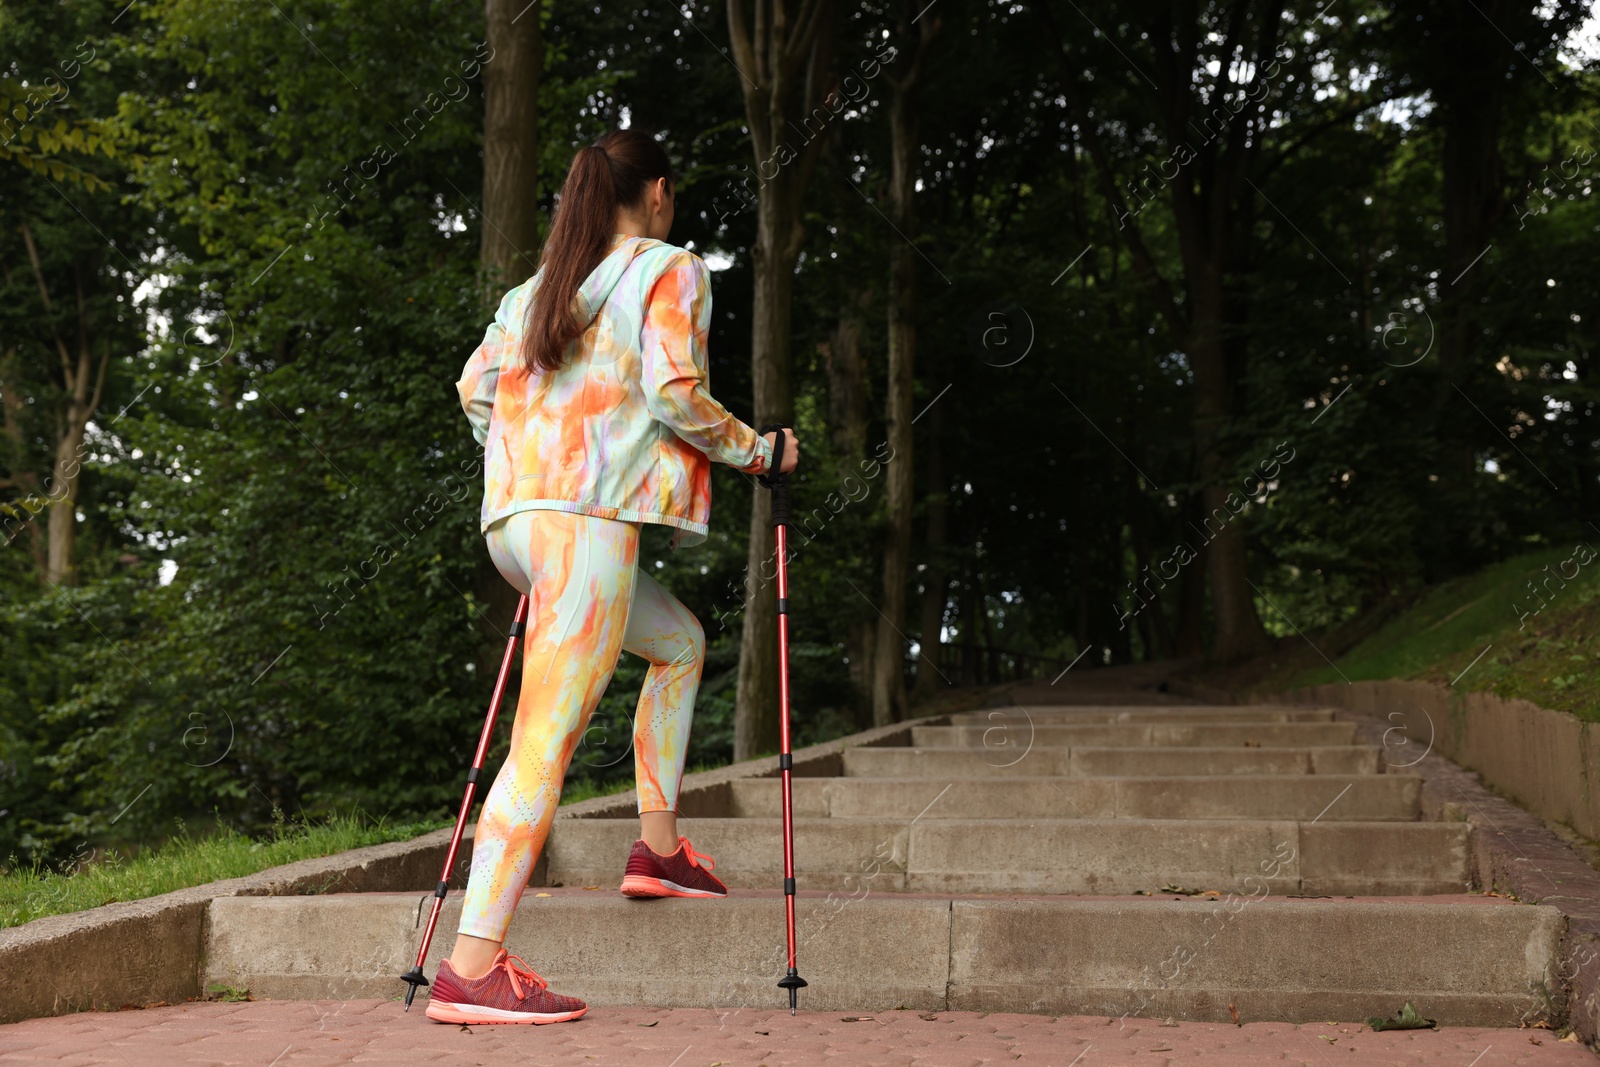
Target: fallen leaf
{"x": 763, "y": 1033}
{"x": 1406, "y": 1018}
{"x": 541, "y": 894}
{"x": 928, "y": 1016}
{"x": 1168, "y": 1021}
{"x": 856, "y": 1019}
{"x": 1534, "y": 1041}
{"x": 1164, "y": 1048}
{"x": 1233, "y": 1011}
{"x": 597, "y": 887}
{"x": 1572, "y": 1035}
{"x": 650, "y": 1023}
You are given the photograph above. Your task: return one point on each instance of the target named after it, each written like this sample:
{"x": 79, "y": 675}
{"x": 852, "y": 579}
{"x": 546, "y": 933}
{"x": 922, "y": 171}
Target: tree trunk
{"x": 82, "y": 385}
{"x": 847, "y": 425}
{"x": 935, "y": 576}
{"x": 889, "y": 670}
{"x": 1238, "y": 628}
{"x": 847, "y": 390}
{"x": 508, "y": 249}
{"x": 755, "y": 723}
{"x": 782, "y": 66}
{"x": 1191, "y": 638}
{"x": 1473, "y": 194}
{"x": 510, "y": 240}
{"x": 1211, "y": 219}
{"x": 61, "y": 519}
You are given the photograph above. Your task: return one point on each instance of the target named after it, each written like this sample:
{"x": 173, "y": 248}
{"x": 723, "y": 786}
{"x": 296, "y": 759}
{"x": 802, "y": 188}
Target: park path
{"x": 1090, "y": 875}
{"x": 330, "y": 1033}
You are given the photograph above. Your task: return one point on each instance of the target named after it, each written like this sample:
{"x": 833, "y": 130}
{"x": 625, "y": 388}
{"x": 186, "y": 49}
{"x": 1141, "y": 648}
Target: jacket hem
{"x": 698, "y": 530}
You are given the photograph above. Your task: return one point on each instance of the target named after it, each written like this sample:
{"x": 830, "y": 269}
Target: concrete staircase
{"x": 1167, "y": 861}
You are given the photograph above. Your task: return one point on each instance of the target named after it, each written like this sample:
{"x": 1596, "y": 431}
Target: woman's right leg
{"x": 668, "y": 635}
{"x": 578, "y": 572}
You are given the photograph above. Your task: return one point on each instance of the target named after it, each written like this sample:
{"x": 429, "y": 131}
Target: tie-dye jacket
{"x": 626, "y": 429}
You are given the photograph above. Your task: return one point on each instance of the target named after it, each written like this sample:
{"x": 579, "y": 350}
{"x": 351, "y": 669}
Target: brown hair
{"x": 614, "y": 172}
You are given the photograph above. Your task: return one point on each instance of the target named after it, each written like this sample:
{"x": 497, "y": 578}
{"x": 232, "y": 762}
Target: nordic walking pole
{"x": 779, "y": 484}
{"x": 414, "y": 977}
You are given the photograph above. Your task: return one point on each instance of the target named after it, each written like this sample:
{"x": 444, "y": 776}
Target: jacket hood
{"x": 597, "y": 288}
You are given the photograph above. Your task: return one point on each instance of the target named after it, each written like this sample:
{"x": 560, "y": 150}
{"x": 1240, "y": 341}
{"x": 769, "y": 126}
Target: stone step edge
{"x": 136, "y": 951}
{"x": 946, "y": 952}
{"x": 1187, "y": 749}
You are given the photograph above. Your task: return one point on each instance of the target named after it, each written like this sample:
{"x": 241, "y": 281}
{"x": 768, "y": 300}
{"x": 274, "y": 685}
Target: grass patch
{"x": 28, "y": 893}
{"x": 182, "y": 861}
{"x": 1540, "y": 644}
{"x": 577, "y": 790}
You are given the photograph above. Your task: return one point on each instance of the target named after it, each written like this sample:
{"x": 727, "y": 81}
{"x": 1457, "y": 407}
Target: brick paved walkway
{"x": 318, "y": 1033}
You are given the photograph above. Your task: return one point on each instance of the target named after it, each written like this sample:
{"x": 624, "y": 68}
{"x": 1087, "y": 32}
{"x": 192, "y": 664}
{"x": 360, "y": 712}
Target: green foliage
{"x": 280, "y": 582}
{"x": 90, "y": 878}
{"x": 1523, "y": 628}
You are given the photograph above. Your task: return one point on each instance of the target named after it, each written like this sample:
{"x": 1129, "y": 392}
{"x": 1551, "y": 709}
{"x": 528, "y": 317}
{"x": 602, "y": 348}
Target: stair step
{"x": 1066, "y": 714}
{"x": 1011, "y": 732}
{"x": 1057, "y": 855}
{"x": 1368, "y": 798}
{"x": 1464, "y": 961}
{"x": 1102, "y": 762}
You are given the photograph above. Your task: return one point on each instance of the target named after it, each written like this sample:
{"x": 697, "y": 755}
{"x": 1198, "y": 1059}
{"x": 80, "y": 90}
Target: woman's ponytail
{"x": 613, "y": 173}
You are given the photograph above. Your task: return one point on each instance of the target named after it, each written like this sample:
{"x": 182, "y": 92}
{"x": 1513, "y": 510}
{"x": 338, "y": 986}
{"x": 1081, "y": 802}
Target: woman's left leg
{"x": 578, "y": 572}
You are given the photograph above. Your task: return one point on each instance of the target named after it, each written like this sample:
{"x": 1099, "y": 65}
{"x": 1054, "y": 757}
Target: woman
{"x": 589, "y": 395}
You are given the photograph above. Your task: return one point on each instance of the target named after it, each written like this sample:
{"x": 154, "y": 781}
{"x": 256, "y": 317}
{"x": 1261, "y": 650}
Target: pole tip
{"x": 793, "y": 983}
{"x": 414, "y": 978}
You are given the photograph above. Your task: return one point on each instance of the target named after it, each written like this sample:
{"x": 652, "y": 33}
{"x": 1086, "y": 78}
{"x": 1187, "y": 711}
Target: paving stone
{"x": 339, "y": 1033}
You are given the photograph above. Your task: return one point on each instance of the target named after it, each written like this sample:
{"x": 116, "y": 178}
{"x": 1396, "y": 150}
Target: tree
{"x": 1213, "y": 73}
{"x": 905, "y": 148}
{"x": 509, "y": 242}
{"x": 41, "y": 150}
{"x": 784, "y": 65}
{"x": 1484, "y": 67}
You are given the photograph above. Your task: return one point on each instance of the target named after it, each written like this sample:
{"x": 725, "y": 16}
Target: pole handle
{"x": 773, "y": 479}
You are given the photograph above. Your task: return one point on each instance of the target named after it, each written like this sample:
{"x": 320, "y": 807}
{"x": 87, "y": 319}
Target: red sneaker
{"x": 685, "y": 873}
{"x": 510, "y": 993}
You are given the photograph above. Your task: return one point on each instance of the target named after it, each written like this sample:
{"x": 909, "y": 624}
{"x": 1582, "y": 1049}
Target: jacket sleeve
{"x": 481, "y": 375}
{"x": 673, "y": 349}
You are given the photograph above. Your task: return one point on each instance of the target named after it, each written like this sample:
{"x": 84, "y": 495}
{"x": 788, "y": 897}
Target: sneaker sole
{"x": 473, "y": 1013}
{"x": 637, "y": 885}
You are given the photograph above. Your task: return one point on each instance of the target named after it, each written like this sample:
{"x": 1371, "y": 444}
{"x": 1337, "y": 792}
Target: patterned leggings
{"x": 587, "y": 601}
